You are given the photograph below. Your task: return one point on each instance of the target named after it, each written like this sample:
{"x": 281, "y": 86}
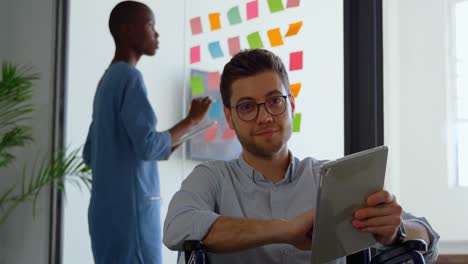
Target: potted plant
{"x": 16, "y": 87}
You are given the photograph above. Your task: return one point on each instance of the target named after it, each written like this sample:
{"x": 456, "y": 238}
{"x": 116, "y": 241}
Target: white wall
{"x": 416, "y": 124}
{"x": 91, "y": 50}
{"x": 27, "y": 36}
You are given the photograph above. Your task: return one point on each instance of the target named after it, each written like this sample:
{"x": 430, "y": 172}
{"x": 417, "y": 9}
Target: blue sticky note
{"x": 215, "y": 110}
{"x": 215, "y": 50}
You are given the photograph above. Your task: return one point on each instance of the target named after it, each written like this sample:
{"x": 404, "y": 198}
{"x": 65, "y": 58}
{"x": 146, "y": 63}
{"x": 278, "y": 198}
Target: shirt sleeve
{"x": 87, "y": 147}
{"x": 191, "y": 212}
{"x": 140, "y": 121}
{"x": 431, "y": 254}
{"x": 432, "y": 250}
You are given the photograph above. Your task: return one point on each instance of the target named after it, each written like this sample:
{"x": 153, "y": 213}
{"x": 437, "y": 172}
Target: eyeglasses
{"x": 248, "y": 111}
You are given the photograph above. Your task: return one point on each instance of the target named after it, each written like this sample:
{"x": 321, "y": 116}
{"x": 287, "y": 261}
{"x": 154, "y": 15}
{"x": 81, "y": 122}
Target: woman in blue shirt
{"x": 123, "y": 147}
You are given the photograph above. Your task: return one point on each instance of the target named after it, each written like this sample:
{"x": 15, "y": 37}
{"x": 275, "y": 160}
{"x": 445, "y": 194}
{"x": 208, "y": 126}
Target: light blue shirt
{"x": 122, "y": 148}
{"x": 236, "y": 189}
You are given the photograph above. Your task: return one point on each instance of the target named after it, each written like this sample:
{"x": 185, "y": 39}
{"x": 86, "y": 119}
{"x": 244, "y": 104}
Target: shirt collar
{"x": 256, "y": 176}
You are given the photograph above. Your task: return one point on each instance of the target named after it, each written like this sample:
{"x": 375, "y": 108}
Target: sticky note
{"x": 213, "y": 81}
{"x": 297, "y": 122}
{"x": 234, "y": 16}
{"x": 275, "y": 5}
{"x": 215, "y": 22}
{"x": 252, "y": 9}
{"x": 215, "y": 50}
{"x": 215, "y": 111}
{"x": 255, "y": 41}
{"x": 228, "y": 133}
{"x": 275, "y": 37}
{"x": 211, "y": 133}
{"x": 196, "y": 83}
{"x": 295, "y": 61}
{"x": 234, "y": 45}
{"x": 293, "y": 3}
{"x": 294, "y": 29}
{"x": 195, "y": 24}
{"x": 295, "y": 89}
{"x": 194, "y": 54}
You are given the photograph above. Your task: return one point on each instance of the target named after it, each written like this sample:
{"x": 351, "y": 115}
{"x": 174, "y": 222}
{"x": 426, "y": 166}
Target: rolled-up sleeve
{"x": 432, "y": 252}
{"x": 140, "y": 121}
{"x": 191, "y": 211}
{"x": 433, "y": 249}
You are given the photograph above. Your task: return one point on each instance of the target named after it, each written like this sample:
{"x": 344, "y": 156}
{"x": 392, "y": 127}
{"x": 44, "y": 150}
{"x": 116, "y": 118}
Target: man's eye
{"x": 246, "y": 107}
{"x": 276, "y": 100}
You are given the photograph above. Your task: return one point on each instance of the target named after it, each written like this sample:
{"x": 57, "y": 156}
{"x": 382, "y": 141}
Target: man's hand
{"x": 198, "y": 109}
{"x": 299, "y": 230}
{"x": 381, "y": 217}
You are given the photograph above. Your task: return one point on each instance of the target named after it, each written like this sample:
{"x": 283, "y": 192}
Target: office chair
{"x": 407, "y": 251}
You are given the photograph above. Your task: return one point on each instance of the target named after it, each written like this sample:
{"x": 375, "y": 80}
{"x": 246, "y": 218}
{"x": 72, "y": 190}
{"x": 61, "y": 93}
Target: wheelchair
{"x": 407, "y": 252}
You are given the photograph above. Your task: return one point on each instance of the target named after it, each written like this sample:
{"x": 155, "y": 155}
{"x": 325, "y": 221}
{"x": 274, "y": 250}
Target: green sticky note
{"x": 197, "y": 85}
{"x": 297, "y": 123}
{"x": 255, "y": 41}
{"x": 234, "y": 16}
{"x": 275, "y": 5}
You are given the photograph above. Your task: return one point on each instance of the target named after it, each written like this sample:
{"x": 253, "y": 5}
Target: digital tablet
{"x": 193, "y": 132}
{"x": 344, "y": 185}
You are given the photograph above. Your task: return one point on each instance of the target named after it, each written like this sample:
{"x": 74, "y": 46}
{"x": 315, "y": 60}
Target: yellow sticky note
{"x": 295, "y": 88}
{"x": 275, "y": 37}
{"x": 294, "y": 29}
{"x": 215, "y": 22}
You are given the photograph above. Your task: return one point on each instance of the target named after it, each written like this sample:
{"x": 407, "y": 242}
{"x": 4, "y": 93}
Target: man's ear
{"x": 228, "y": 116}
{"x": 293, "y": 104}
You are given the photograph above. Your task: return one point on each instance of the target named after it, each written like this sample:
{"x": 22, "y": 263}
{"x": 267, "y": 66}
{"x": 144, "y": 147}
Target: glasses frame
{"x": 266, "y": 108}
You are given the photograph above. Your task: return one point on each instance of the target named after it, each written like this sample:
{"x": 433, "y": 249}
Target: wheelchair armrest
{"x": 402, "y": 252}
{"x": 195, "y": 251}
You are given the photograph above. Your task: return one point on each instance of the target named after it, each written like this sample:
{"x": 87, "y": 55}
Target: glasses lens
{"x": 276, "y": 105}
{"x": 247, "y": 111}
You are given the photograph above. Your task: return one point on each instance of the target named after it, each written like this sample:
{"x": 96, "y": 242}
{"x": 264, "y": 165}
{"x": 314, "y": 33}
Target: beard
{"x": 265, "y": 149}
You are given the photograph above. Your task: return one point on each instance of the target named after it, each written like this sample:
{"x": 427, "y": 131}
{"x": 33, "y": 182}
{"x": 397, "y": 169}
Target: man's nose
{"x": 263, "y": 114}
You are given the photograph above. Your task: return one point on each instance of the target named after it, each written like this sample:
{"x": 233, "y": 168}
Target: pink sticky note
{"x": 228, "y": 134}
{"x": 252, "y": 9}
{"x": 195, "y": 24}
{"x": 234, "y": 45}
{"x": 211, "y": 133}
{"x": 213, "y": 81}
{"x": 293, "y": 3}
{"x": 295, "y": 61}
{"x": 194, "y": 54}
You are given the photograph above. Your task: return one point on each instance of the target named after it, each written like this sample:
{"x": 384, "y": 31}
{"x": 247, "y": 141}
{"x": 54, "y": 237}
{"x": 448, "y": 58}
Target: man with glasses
{"x": 257, "y": 208}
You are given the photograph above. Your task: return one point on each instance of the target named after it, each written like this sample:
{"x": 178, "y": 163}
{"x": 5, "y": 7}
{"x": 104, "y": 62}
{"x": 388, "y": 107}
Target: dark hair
{"x": 248, "y": 63}
{"x": 123, "y": 13}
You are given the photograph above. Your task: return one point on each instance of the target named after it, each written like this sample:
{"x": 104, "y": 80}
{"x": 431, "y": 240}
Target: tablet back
{"x": 344, "y": 185}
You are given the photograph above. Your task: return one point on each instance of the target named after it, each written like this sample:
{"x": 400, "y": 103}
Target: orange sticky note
{"x": 294, "y": 29}
{"x": 275, "y": 37}
{"x": 211, "y": 133}
{"x": 295, "y": 89}
{"x": 215, "y": 22}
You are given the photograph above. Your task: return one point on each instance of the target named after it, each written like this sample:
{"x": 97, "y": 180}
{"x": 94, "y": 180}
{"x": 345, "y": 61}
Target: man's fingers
{"x": 380, "y": 198}
{"x": 392, "y": 220}
{"x": 385, "y": 210}
{"x": 383, "y": 231}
